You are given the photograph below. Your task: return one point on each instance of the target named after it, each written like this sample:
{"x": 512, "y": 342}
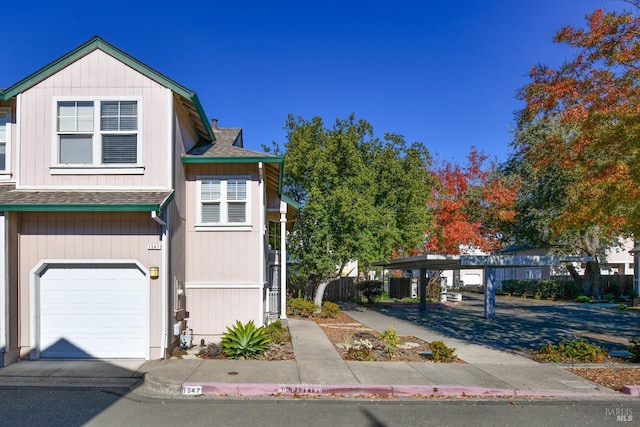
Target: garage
{"x": 93, "y": 311}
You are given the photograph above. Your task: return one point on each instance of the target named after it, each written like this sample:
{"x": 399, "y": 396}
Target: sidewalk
{"x": 320, "y": 371}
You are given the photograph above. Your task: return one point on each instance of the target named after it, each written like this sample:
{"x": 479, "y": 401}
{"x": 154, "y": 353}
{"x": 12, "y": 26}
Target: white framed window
{"x": 5, "y": 138}
{"x": 97, "y": 133}
{"x": 223, "y": 201}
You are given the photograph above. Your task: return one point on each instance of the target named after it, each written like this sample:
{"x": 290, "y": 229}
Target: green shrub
{"x": 573, "y": 351}
{"x": 622, "y": 307}
{"x": 390, "y": 338}
{"x": 245, "y": 341}
{"x": 301, "y": 307}
{"x": 441, "y": 353}
{"x": 330, "y": 309}
{"x": 634, "y": 349}
{"x": 609, "y": 297}
{"x": 371, "y": 289}
{"x": 545, "y": 289}
{"x": 583, "y": 299}
{"x": 277, "y": 333}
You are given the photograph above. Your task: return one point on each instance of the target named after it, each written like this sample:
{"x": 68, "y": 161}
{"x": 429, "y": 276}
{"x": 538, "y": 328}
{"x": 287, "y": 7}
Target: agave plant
{"x": 245, "y": 341}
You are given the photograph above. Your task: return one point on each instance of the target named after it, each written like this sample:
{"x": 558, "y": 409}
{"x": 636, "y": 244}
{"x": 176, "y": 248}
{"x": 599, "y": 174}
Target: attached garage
{"x": 93, "y": 311}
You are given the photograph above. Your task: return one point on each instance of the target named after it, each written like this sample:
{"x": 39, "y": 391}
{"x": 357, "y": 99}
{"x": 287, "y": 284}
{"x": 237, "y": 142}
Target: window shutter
{"x": 119, "y": 149}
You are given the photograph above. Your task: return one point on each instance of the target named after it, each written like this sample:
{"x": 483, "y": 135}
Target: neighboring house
{"x": 126, "y": 216}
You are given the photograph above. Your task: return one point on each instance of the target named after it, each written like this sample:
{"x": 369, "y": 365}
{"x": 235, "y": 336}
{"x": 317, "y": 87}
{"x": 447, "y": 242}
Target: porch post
{"x": 283, "y": 260}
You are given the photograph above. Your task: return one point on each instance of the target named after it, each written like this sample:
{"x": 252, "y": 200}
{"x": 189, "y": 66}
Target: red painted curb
{"x": 632, "y": 390}
{"x": 331, "y": 390}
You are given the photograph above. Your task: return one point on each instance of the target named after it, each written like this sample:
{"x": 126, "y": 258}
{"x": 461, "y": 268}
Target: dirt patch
{"x": 614, "y": 378}
{"x": 343, "y": 331}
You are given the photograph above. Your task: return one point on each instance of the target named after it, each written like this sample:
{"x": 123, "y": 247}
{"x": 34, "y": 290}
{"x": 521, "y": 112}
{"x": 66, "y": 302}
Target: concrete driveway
{"x": 525, "y": 324}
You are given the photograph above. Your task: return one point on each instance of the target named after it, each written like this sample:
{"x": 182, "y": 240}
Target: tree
{"x": 596, "y": 94}
{"x": 362, "y": 197}
{"x": 542, "y": 200}
{"x": 471, "y": 205}
{"x": 579, "y": 134}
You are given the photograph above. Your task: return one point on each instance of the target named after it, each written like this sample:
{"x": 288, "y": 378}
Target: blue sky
{"x": 443, "y": 73}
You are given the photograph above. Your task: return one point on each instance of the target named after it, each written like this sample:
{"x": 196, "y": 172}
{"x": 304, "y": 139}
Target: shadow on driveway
{"x": 524, "y": 324}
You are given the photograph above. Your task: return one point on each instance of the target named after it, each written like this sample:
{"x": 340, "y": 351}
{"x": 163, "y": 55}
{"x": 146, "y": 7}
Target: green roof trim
{"x": 290, "y": 202}
{"x": 238, "y": 159}
{"x": 98, "y": 43}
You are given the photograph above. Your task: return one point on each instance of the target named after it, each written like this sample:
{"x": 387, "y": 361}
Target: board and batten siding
{"x": 95, "y": 75}
{"x": 100, "y": 236}
{"x": 211, "y": 310}
{"x": 223, "y": 267}
{"x": 218, "y": 256}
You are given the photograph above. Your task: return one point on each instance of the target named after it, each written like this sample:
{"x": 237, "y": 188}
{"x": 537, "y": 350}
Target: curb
{"x": 360, "y": 390}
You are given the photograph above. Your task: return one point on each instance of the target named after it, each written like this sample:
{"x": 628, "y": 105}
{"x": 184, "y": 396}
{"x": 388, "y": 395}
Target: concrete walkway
{"x": 320, "y": 371}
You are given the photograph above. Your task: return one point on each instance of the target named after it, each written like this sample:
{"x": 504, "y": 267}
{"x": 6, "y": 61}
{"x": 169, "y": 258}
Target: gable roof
{"x": 190, "y": 98}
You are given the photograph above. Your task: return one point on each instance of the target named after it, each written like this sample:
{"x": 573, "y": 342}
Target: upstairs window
{"x": 4, "y": 138}
{"x": 97, "y": 132}
{"x": 223, "y": 201}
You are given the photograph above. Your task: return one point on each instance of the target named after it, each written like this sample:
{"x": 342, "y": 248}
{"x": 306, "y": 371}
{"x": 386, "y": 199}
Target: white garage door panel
{"x": 97, "y": 311}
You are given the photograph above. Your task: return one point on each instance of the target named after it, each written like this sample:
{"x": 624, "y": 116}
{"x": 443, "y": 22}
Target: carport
{"x": 489, "y": 263}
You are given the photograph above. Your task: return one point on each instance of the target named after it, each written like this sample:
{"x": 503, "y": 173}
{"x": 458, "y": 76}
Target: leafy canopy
{"x": 362, "y": 197}
{"x": 595, "y": 94}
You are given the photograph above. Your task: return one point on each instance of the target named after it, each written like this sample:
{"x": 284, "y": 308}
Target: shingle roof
{"x": 81, "y": 200}
{"x": 228, "y": 145}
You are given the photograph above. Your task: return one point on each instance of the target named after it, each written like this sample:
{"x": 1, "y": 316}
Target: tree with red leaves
{"x": 470, "y": 204}
{"x": 590, "y": 108}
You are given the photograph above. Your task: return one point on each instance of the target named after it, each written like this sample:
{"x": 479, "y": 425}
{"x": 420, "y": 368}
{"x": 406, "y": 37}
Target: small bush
{"x": 371, "y": 289}
{"x": 622, "y": 307}
{"x": 634, "y": 349}
{"x": 330, "y": 309}
{"x": 441, "y": 353}
{"x": 361, "y": 350}
{"x": 277, "y": 333}
{"x": 609, "y": 297}
{"x": 301, "y": 307}
{"x": 390, "y": 338}
{"x": 573, "y": 351}
{"x": 245, "y": 341}
{"x": 583, "y": 299}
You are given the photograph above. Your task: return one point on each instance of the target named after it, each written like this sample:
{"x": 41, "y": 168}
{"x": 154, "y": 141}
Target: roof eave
{"x": 246, "y": 159}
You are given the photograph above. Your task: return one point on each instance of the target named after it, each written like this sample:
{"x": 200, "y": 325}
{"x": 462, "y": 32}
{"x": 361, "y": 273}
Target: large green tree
{"x": 362, "y": 197}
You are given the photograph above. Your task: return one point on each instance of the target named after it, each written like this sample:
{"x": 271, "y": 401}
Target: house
{"x": 127, "y": 217}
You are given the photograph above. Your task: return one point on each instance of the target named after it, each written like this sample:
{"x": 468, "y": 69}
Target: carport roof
{"x": 459, "y": 262}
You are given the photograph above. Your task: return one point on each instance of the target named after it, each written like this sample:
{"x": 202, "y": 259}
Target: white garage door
{"x": 93, "y": 312}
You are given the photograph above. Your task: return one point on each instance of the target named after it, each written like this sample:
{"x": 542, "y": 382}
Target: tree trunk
{"x": 575, "y": 275}
{"x": 592, "y": 286}
{"x": 317, "y": 299}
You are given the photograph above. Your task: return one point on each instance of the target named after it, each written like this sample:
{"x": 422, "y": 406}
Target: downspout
{"x": 165, "y": 234}
{"x": 263, "y": 261}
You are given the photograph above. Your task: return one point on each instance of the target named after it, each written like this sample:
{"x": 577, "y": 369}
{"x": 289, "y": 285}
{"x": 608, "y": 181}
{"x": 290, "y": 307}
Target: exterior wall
{"x": 217, "y": 256}
{"x": 99, "y": 236}
{"x": 94, "y": 75}
{"x": 211, "y": 310}
{"x": 224, "y": 279}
